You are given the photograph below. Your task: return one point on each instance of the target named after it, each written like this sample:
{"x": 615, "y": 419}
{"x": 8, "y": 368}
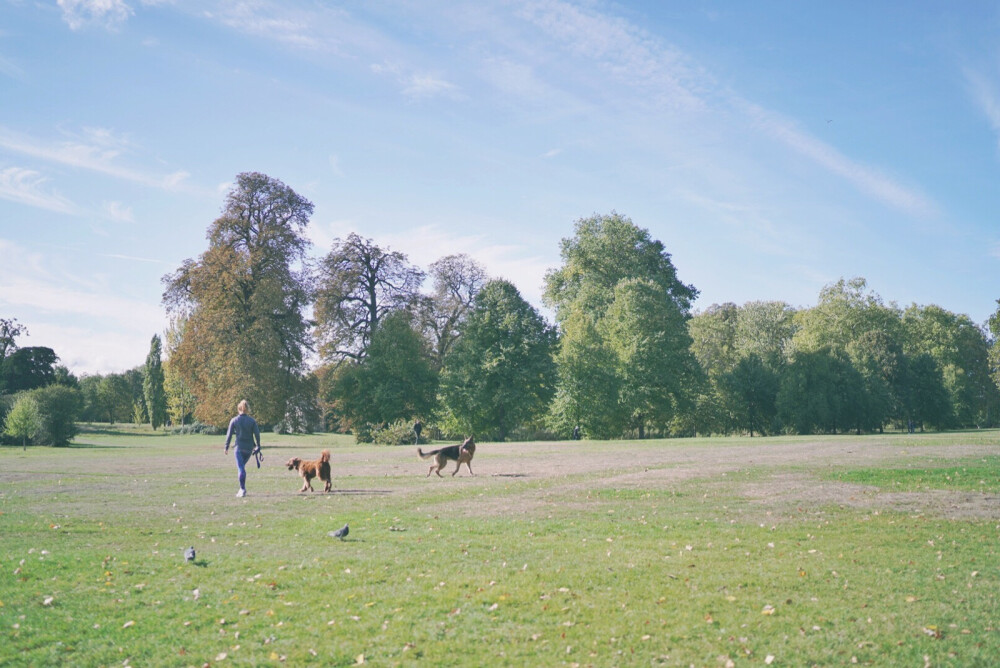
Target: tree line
{"x": 353, "y": 342}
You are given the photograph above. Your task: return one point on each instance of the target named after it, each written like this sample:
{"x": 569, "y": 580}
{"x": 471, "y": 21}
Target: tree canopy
{"x": 245, "y": 335}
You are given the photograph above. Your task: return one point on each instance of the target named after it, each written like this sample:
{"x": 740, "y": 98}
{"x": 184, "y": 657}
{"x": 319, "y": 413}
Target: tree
{"x": 10, "y": 329}
{"x": 63, "y": 376}
{"x": 650, "y": 340}
{"x": 59, "y": 407}
{"x": 588, "y": 382}
{"x": 961, "y": 350}
{"x": 359, "y": 283}
{"x": 181, "y": 403}
{"x": 500, "y": 372}
{"x": 115, "y": 398}
{"x": 23, "y": 421}
{"x": 605, "y": 252}
{"x": 394, "y": 381}
{"x": 242, "y": 301}
{"x": 28, "y": 368}
{"x": 152, "y": 385}
{"x": 926, "y": 400}
{"x": 820, "y": 391}
{"x": 457, "y": 281}
{"x": 713, "y": 338}
{"x": 750, "y": 391}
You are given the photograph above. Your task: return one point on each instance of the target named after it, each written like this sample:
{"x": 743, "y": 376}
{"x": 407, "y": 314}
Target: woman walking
{"x": 247, "y": 434}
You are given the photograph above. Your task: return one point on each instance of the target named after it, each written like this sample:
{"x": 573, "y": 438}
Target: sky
{"x": 773, "y": 147}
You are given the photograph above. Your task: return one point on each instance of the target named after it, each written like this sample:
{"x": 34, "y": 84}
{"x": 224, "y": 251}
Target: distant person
{"x": 247, "y": 434}
{"x": 417, "y": 426}
{"x": 576, "y": 433}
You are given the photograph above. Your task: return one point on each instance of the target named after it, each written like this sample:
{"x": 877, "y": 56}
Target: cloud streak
{"x": 109, "y": 14}
{"x": 97, "y": 150}
{"x": 26, "y": 186}
{"x": 986, "y": 95}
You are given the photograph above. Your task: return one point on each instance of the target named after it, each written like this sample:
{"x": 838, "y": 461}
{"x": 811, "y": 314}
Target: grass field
{"x": 874, "y": 550}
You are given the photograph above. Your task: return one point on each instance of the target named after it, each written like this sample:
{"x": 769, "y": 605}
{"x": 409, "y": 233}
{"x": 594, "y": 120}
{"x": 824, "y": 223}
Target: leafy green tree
{"x": 765, "y": 329}
{"x": 713, "y": 338}
{"x": 750, "y": 392}
{"x": 742, "y": 349}
{"x": 63, "y": 376}
{"x": 28, "y": 368}
{"x": 962, "y": 351}
{"x": 846, "y": 309}
{"x": 24, "y": 420}
{"x": 926, "y": 400}
{"x": 152, "y": 385}
{"x": 650, "y": 340}
{"x": 457, "y": 281}
{"x": 243, "y": 302}
{"x": 59, "y": 407}
{"x": 114, "y": 396}
{"x": 820, "y": 391}
{"x": 588, "y": 385}
{"x": 500, "y": 372}
{"x": 359, "y": 283}
{"x": 393, "y": 382}
{"x": 605, "y": 252}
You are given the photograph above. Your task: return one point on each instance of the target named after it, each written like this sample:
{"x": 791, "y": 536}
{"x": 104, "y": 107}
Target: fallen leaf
{"x": 767, "y": 610}
{"x": 769, "y": 659}
{"x": 361, "y": 659}
{"x": 128, "y": 624}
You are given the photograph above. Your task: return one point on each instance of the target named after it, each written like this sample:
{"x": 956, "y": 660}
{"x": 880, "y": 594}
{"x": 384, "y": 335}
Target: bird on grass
{"x": 339, "y": 533}
{"x": 189, "y": 554}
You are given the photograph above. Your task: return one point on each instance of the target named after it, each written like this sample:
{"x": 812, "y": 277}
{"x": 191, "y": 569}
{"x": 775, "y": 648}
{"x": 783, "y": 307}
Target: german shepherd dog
{"x": 310, "y": 469}
{"x": 458, "y": 453}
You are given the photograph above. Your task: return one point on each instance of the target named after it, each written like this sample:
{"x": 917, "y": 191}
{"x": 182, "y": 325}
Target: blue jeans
{"x": 241, "y": 464}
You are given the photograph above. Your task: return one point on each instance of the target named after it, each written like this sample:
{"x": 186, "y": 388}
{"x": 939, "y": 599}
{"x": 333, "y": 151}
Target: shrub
{"x": 397, "y": 433}
{"x": 197, "y": 428}
{"x": 59, "y": 407}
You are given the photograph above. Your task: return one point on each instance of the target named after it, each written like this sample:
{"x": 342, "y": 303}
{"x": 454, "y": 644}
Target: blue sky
{"x": 773, "y": 147}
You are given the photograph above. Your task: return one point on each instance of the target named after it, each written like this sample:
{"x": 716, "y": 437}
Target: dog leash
{"x": 258, "y": 455}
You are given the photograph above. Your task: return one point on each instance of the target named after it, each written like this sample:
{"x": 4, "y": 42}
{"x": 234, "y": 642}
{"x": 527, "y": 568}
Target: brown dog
{"x": 457, "y": 453}
{"x": 309, "y": 470}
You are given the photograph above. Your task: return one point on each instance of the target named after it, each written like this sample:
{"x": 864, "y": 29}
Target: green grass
{"x": 621, "y": 565}
{"x": 974, "y": 475}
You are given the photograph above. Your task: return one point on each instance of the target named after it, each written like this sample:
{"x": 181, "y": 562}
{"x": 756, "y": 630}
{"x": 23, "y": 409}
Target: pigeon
{"x": 339, "y": 533}
{"x": 189, "y": 554}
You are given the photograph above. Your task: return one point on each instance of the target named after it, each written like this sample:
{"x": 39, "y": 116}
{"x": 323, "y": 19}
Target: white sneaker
{"x": 241, "y": 493}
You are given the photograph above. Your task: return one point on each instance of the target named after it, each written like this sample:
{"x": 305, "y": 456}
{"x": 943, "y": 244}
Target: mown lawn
{"x": 604, "y": 554}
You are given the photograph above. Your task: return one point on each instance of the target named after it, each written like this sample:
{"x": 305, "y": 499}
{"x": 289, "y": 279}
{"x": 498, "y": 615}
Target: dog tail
{"x": 427, "y": 455}
{"x": 325, "y": 456}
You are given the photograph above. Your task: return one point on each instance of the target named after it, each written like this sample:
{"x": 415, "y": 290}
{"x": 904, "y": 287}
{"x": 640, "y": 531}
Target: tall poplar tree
{"x": 243, "y": 300}
{"x": 152, "y": 385}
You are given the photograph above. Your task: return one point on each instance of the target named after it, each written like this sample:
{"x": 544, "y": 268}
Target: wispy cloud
{"x": 95, "y": 149}
{"x": 119, "y": 212}
{"x": 9, "y": 69}
{"x": 669, "y": 78}
{"x": 417, "y": 84}
{"x": 108, "y": 14}
{"x": 622, "y": 50}
{"x": 276, "y": 22}
{"x": 865, "y": 178}
{"x": 986, "y": 94}
{"x": 26, "y": 186}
